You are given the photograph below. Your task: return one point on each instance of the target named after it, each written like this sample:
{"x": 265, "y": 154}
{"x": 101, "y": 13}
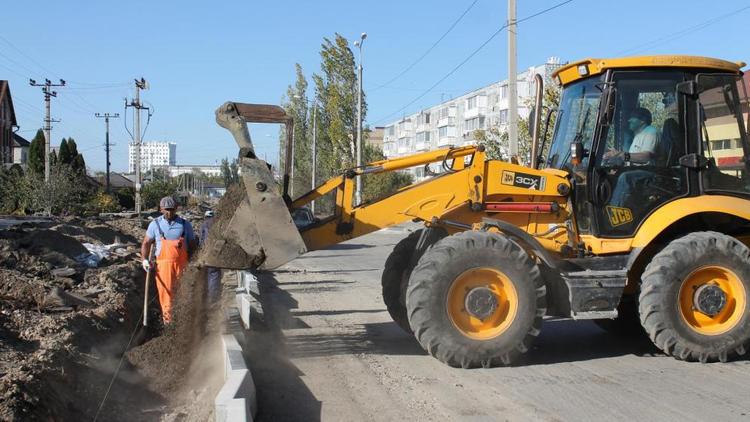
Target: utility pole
{"x": 358, "y": 192}
{"x": 48, "y": 93}
{"x": 314, "y": 153}
{"x": 106, "y": 117}
{"x": 137, "y": 106}
{"x": 512, "y": 88}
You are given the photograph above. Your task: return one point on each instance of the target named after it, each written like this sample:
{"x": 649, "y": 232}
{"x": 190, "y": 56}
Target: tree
{"x": 14, "y": 190}
{"x": 336, "y": 93}
{"x": 65, "y": 193}
{"x": 496, "y": 140}
{"x": 36, "y": 153}
{"x": 229, "y": 172}
{"x": 295, "y": 105}
{"x": 378, "y": 186}
{"x": 64, "y": 153}
{"x": 153, "y": 192}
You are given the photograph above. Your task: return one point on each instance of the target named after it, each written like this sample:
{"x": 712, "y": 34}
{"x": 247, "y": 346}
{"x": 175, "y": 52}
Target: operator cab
{"x": 675, "y": 127}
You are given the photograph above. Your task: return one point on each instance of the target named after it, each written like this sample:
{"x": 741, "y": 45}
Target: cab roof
{"x": 571, "y": 72}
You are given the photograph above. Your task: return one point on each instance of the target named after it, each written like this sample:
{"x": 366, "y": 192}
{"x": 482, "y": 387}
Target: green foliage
{"x": 125, "y": 198}
{"x": 229, "y": 172}
{"x": 103, "y": 202}
{"x": 378, "y": 186}
{"x": 67, "y": 191}
{"x": 36, "y": 153}
{"x": 496, "y": 141}
{"x": 64, "y": 154}
{"x": 153, "y": 192}
{"x": 296, "y": 106}
{"x": 336, "y": 92}
{"x": 14, "y": 190}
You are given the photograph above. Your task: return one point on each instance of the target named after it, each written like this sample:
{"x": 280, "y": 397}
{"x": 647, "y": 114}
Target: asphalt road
{"x": 329, "y": 351}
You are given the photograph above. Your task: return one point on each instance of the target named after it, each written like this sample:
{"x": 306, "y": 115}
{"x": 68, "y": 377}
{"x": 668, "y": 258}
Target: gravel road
{"x": 330, "y": 352}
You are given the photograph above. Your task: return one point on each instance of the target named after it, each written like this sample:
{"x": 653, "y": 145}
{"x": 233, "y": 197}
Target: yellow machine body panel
{"x": 588, "y": 67}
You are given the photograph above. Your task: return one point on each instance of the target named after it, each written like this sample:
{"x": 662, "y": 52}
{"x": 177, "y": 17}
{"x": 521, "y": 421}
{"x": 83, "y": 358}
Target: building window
{"x": 423, "y": 119}
{"x": 504, "y": 92}
{"x": 503, "y": 118}
{"x": 471, "y": 103}
{"x": 443, "y": 131}
{"x": 423, "y": 137}
{"x": 475, "y": 123}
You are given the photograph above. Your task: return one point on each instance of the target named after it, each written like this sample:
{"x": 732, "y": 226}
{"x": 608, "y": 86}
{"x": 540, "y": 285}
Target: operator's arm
{"x": 148, "y": 240}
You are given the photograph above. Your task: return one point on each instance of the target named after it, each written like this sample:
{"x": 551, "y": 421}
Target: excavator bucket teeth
{"x": 260, "y": 233}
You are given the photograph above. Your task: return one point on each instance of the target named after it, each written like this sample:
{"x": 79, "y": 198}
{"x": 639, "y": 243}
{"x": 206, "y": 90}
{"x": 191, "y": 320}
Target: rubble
{"x": 71, "y": 300}
{"x": 63, "y": 323}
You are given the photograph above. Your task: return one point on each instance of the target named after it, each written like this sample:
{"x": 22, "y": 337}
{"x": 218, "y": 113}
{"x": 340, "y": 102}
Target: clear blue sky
{"x": 196, "y": 55}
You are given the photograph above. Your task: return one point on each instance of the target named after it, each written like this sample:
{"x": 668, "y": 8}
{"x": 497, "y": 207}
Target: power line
{"x": 463, "y": 62}
{"x": 678, "y": 34}
{"x": 432, "y": 47}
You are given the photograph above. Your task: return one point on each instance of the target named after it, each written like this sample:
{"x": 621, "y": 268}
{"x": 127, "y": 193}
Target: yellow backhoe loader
{"x": 637, "y": 214}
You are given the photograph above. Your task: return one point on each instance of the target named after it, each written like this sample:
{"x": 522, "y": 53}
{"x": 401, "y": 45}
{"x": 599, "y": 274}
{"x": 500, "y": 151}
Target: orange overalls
{"x": 172, "y": 260}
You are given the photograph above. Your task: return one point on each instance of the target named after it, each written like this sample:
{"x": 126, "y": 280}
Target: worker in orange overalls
{"x": 175, "y": 241}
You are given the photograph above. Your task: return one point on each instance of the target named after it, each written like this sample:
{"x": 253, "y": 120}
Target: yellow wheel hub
{"x": 482, "y": 303}
{"x": 712, "y": 300}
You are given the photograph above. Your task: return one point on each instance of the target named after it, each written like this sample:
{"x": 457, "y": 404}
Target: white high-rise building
{"x": 453, "y": 122}
{"x": 153, "y": 154}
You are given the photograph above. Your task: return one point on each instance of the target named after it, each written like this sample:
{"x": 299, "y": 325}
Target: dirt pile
{"x": 182, "y": 363}
{"x": 63, "y": 323}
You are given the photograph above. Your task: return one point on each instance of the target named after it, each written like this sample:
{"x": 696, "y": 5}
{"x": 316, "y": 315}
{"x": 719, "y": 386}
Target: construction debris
{"x": 71, "y": 294}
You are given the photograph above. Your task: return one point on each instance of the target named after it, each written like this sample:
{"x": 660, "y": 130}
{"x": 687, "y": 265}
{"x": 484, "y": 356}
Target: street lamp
{"x": 358, "y": 192}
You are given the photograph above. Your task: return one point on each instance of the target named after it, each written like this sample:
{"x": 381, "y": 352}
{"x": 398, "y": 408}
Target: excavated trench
{"x": 64, "y": 328}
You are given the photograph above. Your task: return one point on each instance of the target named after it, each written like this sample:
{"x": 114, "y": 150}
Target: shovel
{"x": 148, "y": 281}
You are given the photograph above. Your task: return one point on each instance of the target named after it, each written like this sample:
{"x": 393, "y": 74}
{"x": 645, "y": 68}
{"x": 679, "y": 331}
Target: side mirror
{"x": 576, "y": 153}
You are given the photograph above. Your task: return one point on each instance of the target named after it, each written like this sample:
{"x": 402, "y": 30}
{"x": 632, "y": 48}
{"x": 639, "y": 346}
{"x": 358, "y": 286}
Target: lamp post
{"x": 358, "y": 192}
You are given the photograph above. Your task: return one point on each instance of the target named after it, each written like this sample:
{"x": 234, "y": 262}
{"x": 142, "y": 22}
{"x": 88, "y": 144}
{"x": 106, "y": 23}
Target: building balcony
{"x": 447, "y": 121}
{"x": 403, "y": 150}
{"x": 474, "y": 112}
{"x": 446, "y": 140}
{"x": 421, "y": 146}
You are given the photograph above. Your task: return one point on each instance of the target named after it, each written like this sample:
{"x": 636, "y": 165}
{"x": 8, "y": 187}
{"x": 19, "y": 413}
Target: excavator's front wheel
{"x": 695, "y": 298}
{"x": 398, "y": 268}
{"x": 476, "y": 299}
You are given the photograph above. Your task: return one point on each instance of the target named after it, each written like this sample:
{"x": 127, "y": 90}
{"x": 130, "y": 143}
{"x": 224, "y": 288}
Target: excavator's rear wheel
{"x": 694, "y": 300}
{"x": 476, "y": 299}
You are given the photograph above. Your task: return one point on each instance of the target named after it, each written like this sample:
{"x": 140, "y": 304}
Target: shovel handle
{"x": 148, "y": 280}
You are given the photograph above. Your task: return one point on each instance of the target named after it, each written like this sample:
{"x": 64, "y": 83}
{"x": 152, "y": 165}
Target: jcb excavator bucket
{"x": 260, "y": 232}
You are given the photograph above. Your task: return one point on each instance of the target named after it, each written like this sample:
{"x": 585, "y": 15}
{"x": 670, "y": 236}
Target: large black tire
{"x": 662, "y": 314}
{"x": 396, "y": 273}
{"x": 395, "y": 277}
{"x": 428, "y": 290}
{"x": 627, "y": 323}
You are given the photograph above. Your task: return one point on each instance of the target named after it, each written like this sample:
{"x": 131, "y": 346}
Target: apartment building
{"x": 453, "y": 122}
{"x": 153, "y": 154}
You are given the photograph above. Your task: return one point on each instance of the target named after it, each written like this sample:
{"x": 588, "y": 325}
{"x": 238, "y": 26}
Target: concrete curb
{"x": 237, "y": 399}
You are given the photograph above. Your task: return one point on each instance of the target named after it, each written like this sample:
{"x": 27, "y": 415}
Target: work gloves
{"x": 146, "y": 265}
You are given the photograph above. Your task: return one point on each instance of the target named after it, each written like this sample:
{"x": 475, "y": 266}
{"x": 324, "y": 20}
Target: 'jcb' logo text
{"x": 619, "y": 216}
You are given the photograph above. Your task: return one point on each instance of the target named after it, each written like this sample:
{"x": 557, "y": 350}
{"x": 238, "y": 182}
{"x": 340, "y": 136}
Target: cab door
{"x": 636, "y": 166}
